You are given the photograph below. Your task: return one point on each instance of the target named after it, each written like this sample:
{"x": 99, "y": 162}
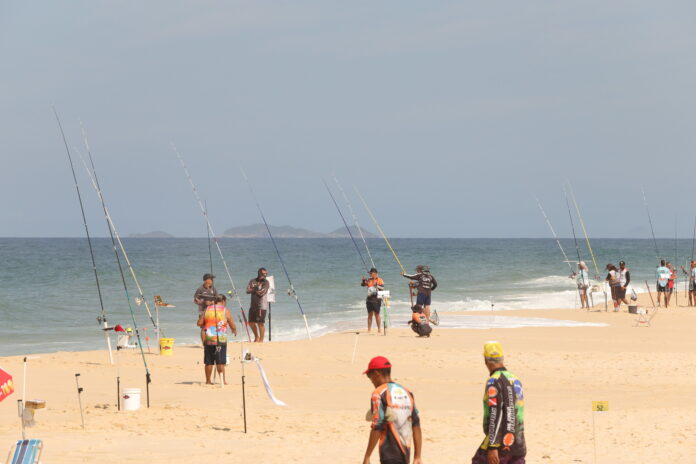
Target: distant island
{"x": 153, "y": 234}
{"x": 259, "y": 231}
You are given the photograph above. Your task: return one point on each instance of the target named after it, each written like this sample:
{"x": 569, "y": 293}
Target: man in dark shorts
{"x": 503, "y": 413}
{"x": 393, "y": 416}
{"x": 663, "y": 273}
{"x": 425, "y": 283}
{"x": 624, "y": 280}
{"x": 258, "y": 289}
{"x": 215, "y": 321}
{"x": 204, "y": 296}
{"x": 373, "y": 303}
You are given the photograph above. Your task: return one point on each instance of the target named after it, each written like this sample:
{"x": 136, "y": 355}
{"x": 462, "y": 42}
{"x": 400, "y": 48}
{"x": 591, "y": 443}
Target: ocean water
{"x": 48, "y": 297}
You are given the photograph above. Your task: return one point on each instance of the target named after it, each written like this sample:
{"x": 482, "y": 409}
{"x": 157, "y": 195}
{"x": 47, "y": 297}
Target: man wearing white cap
{"x": 503, "y": 413}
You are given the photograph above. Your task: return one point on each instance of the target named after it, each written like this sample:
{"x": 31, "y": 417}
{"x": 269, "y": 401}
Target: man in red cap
{"x": 394, "y": 418}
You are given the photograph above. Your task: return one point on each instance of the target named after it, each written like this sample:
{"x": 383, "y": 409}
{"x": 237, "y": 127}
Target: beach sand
{"x": 646, "y": 374}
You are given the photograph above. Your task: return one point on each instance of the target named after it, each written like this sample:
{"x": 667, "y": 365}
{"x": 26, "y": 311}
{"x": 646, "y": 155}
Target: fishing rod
{"x": 652, "y": 230}
{"x": 212, "y": 233}
{"x": 114, "y": 234}
{"x": 676, "y": 290}
{"x": 355, "y": 220}
{"x": 584, "y": 231}
{"x": 548, "y": 222}
{"x": 384, "y": 236}
{"x": 210, "y": 249}
{"x": 291, "y": 290}
{"x": 102, "y": 317}
{"x": 575, "y": 240}
{"x": 357, "y": 248}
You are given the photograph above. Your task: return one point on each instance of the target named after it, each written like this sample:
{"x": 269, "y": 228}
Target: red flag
{"x": 118, "y": 328}
{"x": 6, "y": 384}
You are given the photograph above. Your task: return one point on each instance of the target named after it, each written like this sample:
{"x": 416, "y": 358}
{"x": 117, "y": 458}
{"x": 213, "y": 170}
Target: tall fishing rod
{"x": 114, "y": 234}
{"x": 384, "y": 236}
{"x": 210, "y": 249}
{"x": 584, "y": 231}
{"x": 212, "y": 233}
{"x": 102, "y": 317}
{"x": 553, "y": 232}
{"x": 575, "y": 238}
{"x": 693, "y": 240}
{"x": 291, "y": 290}
{"x": 652, "y": 229}
{"x": 355, "y": 220}
{"x": 357, "y": 248}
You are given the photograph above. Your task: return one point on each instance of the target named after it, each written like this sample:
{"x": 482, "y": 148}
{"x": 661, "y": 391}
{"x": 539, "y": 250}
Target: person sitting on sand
{"x": 503, "y": 413}
{"x": 215, "y": 321}
{"x": 394, "y": 417}
{"x": 419, "y": 323}
{"x": 203, "y": 296}
{"x": 258, "y": 307}
{"x": 373, "y": 303}
{"x": 426, "y": 284}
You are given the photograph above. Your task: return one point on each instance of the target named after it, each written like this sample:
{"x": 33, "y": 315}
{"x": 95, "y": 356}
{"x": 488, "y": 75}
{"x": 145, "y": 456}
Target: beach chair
{"x": 26, "y": 452}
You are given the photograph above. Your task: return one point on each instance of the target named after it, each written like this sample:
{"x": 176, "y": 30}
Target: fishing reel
{"x": 291, "y": 292}
{"x": 231, "y": 293}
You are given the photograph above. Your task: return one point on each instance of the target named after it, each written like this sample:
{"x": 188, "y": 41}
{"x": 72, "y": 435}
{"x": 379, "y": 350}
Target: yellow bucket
{"x": 166, "y": 346}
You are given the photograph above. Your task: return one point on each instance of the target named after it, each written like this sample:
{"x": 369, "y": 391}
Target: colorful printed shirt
{"x": 373, "y": 285}
{"x": 215, "y": 327}
{"x": 663, "y": 274}
{"x": 394, "y": 414}
{"x": 503, "y": 414}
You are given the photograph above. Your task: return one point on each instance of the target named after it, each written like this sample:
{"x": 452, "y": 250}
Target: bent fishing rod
{"x": 116, "y": 238}
{"x": 584, "y": 231}
{"x": 652, "y": 229}
{"x": 291, "y": 290}
{"x": 357, "y": 248}
{"x": 575, "y": 240}
{"x": 553, "y": 232}
{"x": 204, "y": 211}
{"x": 102, "y": 317}
{"x": 355, "y": 220}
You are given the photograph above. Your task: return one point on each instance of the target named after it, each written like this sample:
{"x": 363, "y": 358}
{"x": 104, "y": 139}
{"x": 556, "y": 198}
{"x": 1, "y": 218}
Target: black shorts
{"x": 257, "y": 315}
{"x": 618, "y": 293}
{"x": 662, "y": 289}
{"x": 215, "y": 354}
{"x": 692, "y": 286}
{"x": 373, "y": 305}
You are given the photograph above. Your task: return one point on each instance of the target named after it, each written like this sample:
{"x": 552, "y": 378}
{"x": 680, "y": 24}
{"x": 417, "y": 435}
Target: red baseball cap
{"x": 378, "y": 362}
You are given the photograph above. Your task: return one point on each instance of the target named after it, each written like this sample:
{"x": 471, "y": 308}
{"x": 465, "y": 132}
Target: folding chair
{"x": 26, "y": 452}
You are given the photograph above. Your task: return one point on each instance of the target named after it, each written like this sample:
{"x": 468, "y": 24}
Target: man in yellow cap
{"x": 503, "y": 413}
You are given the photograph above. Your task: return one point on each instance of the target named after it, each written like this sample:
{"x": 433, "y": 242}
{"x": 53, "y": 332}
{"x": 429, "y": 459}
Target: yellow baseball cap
{"x": 493, "y": 350}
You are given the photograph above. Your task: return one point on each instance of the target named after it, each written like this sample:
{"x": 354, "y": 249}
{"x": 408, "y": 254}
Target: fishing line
{"x": 102, "y": 318}
{"x": 210, "y": 249}
{"x": 291, "y": 290}
{"x": 357, "y": 248}
{"x": 584, "y": 231}
{"x": 652, "y": 230}
{"x": 212, "y": 233}
{"x": 548, "y": 222}
{"x": 384, "y": 236}
{"x": 355, "y": 220}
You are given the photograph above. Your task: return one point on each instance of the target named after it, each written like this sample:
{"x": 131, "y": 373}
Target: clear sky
{"x": 449, "y": 116}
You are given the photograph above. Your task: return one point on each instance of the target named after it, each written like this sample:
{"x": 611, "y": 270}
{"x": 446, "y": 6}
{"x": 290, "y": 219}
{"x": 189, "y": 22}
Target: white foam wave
{"x": 547, "y": 281}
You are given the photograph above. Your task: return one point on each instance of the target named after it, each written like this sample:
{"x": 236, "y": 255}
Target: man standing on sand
{"x": 258, "y": 289}
{"x": 503, "y": 413}
{"x": 624, "y": 280}
{"x": 426, "y": 284}
{"x": 373, "y": 303}
{"x": 205, "y": 294}
{"x": 394, "y": 418}
{"x": 663, "y": 273}
{"x": 215, "y": 321}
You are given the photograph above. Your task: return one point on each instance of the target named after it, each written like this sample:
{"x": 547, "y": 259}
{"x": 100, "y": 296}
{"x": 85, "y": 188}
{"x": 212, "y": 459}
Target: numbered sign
{"x": 600, "y": 406}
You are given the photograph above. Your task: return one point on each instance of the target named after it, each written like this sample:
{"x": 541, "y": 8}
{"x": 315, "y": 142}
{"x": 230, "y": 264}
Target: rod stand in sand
{"x": 79, "y": 398}
{"x": 269, "y": 321}
{"x": 241, "y": 360}
{"x": 20, "y": 413}
{"x": 355, "y": 347}
{"x": 148, "y": 381}
{"x": 105, "y": 327}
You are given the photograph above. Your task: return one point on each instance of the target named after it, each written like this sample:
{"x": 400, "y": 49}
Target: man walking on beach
{"x": 624, "y": 280}
{"x": 394, "y": 418}
{"x": 258, "y": 289}
{"x": 205, "y": 294}
{"x": 503, "y": 413}
{"x": 426, "y": 284}
{"x": 215, "y": 321}
{"x": 663, "y": 273}
{"x": 373, "y": 303}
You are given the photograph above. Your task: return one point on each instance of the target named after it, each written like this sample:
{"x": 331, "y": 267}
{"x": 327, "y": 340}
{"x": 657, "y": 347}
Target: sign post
{"x": 597, "y": 407}
{"x": 271, "y": 299}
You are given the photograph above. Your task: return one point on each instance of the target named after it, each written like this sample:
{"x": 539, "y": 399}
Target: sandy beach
{"x": 644, "y": 373}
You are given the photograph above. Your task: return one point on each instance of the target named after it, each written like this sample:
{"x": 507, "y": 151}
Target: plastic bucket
{"x": 130, "y": 399}
{"x": 166, "y": 346}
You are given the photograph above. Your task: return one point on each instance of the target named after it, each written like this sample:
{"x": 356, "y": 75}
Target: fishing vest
{"x": 215, "y": 325}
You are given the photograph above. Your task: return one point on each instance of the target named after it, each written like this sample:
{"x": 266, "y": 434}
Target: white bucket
{"x": 130, "y": 399}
